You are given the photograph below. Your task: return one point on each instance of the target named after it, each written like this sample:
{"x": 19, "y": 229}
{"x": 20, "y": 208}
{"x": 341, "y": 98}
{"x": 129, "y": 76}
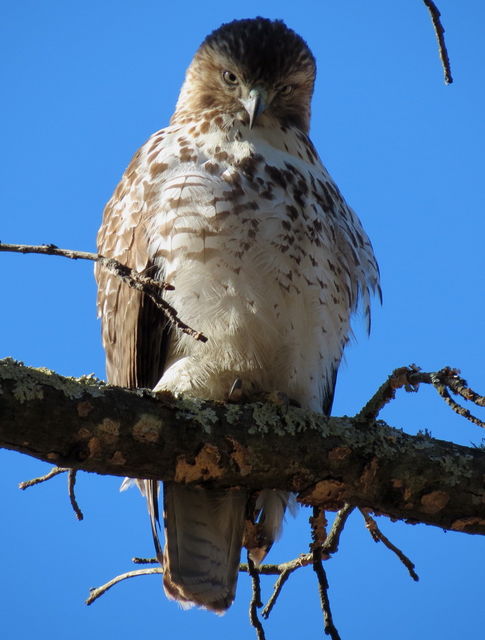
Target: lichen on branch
{"x": 88, "y": 425}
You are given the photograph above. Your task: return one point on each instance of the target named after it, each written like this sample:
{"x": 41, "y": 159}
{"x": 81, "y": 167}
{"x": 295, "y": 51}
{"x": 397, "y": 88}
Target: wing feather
{"x": 134, "y": 331}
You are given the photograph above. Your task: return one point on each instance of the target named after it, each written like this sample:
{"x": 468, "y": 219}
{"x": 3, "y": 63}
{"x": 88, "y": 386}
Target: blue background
{"x": 84, "y": 84}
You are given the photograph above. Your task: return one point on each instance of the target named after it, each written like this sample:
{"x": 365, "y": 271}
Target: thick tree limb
{"x": 84, "y": 424}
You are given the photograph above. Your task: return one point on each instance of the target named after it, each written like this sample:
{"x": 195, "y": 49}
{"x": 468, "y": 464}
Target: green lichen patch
{"x": 197, "y": 411}
{"x": 233, "y": 414}
{"x": 25, "y": 387}
{"x": 266, "y": 417}
{"x": 297, "y": 421}
{"x": 29, "y": 382}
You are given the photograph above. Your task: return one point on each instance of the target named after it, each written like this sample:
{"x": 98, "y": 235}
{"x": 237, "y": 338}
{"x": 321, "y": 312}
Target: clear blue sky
{"x": 84, "y": 83}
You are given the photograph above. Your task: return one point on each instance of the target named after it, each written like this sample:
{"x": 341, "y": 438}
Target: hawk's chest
{"x": 229, "y": 207}
{"x": 241, "y": 234}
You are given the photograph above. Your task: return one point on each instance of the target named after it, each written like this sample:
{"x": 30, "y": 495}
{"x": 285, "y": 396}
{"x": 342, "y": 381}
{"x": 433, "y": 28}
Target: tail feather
{"x": 150, "y": 491}
{"x": 203, "y": 532}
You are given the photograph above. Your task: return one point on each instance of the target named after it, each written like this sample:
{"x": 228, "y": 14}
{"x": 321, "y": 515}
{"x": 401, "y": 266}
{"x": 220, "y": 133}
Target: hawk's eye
{"x": 230, "y": 78}
{"x": 286, "y": 90}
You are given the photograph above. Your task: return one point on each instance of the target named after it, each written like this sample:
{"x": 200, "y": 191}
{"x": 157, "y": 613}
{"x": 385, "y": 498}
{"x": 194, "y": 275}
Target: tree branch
{"x": 149, "y": 286}
{"x": 378, "y": 536}
{"x": 71, "y": 482}
{"x": 440, "y": 36}
{"x": 85, "y": 424}
{"x": 55, "y": 471}
{"x": 97, "y": 592}
{"x": 255, "y": 602}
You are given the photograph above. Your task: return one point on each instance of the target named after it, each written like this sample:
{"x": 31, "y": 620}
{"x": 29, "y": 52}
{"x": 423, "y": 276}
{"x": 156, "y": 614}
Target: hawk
{"x": 232, "y": 206}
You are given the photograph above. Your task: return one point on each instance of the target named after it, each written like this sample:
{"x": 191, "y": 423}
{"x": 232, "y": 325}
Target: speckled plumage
{"x": 266, "y": 259}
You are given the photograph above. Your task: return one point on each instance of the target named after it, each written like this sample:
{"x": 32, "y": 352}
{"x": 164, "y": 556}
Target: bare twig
{"x": 465, "y": 413}
{"x": 149, "y": 286}
{"x": 317, "y": 524}
{"x": 255, "y": 603}
{"x": 329, "y": 626}
{"x": 49, "y": 249}
{"x": 386, "y": 392}
{"x": 460, "y": 387}
{"x": 137, "y": 560}
{"x": 302, "y": 560}
{"x": 440, "y": 36}
{"x": 410, "y": 378}
{"x": 278, "y": 586}
{"x": 99, "y": 591}
{"x": 71, "y": 481}
{"x": 330, "y": 545}
{"x": 55, "y": 471}
{"x": 378, "y": 536}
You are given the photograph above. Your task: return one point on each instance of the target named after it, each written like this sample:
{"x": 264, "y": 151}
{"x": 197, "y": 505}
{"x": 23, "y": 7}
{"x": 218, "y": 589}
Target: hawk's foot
{"x": 239, "y": 394}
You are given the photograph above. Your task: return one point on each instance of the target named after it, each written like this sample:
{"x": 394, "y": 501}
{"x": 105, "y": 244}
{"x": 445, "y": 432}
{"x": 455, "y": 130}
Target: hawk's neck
{"x": 219, "y": 132}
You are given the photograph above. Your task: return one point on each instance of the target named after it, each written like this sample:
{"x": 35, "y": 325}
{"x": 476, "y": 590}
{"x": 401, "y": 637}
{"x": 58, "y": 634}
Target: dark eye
{"x": 230, "y": 78}
{"x": 286, "y": 90}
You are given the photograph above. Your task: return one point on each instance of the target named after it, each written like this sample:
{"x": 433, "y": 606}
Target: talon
{"x": 236, "y": 392}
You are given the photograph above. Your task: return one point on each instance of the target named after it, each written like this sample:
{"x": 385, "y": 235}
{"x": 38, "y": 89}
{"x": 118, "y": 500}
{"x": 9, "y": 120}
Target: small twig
{"x": 96, "y": 592}
{"x": 283, "y": 570}
{"x": 55, "y": 471}
{"x": 457, "y": 408}
{"x": 330, "y": 545}
{"x": 329, "y": 626}
{"x": 316, "y": 523}
{"x": 149, "y": 286}
{"x": 460, "y": 387}
{"x": 302, "y": 560}
{"x": 130, "y": 276}
{"x": 137, "y": 560}
{"x": 440, "y": 36}
{"x": 410, "y": 378}
{"x": 71, "y": 481}
{"x": 255, "y": 603}
{"x": 378, "y": 536}
{"x": 278, "y": 586}
{"x": 386, "y": 392}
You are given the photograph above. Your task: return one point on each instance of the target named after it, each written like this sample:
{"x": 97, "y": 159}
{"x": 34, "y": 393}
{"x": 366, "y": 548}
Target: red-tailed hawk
{"x": 232, "y": 206}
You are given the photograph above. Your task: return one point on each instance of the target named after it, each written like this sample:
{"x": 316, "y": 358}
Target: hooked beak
{"x": 255, "y": 104}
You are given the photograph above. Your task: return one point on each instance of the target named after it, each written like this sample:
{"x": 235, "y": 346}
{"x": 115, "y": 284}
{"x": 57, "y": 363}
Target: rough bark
{"x": 85, "y": 424}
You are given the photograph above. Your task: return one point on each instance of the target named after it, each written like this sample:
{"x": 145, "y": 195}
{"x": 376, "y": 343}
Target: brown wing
{"x": 135, "y": 333}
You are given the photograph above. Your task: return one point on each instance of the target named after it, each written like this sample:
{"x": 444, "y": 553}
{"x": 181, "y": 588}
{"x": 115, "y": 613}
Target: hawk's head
{"x": 257, "y": 69}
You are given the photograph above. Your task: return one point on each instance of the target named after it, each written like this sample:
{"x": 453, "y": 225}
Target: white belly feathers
{"x": 251, "y": 287}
